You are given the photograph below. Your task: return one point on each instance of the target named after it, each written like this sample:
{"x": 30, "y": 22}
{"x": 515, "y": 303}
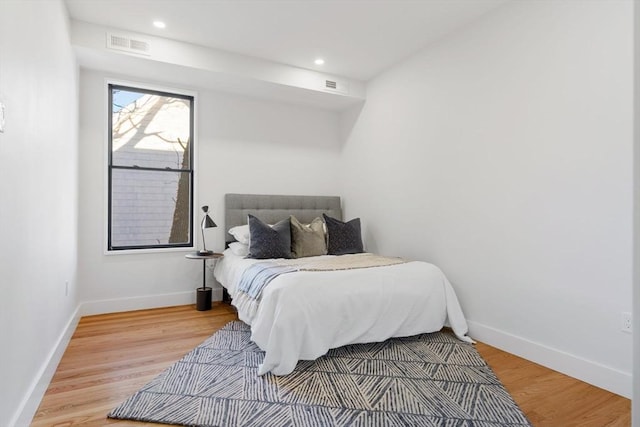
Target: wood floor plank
{"x": 111, "y": 356}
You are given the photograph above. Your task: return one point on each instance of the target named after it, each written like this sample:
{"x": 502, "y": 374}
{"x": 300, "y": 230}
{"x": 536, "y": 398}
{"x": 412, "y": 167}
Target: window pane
{"x": 150, "y": 130}
{"x": 150, "y": 208}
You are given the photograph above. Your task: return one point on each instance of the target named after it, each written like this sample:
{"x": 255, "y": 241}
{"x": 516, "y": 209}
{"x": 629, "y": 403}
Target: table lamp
{"x": 207, "y": 222}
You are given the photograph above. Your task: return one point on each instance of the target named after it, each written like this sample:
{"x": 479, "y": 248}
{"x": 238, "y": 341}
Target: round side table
{"x": 203, "y": 294}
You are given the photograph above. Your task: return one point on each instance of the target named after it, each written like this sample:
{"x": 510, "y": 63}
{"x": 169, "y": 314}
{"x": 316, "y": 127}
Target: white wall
{"x": 244, "y": 145}
{"x": 503, "y": 154}
{"x": 635, "y": 409}
{"x": 38, "y": 207}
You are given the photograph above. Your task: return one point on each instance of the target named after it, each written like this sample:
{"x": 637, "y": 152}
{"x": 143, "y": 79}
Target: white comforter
{"x": 303, "y": 314}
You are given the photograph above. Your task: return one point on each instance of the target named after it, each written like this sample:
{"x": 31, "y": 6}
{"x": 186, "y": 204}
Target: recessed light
{"x": 159, "y": 24}
{"x": 319, "y": 61}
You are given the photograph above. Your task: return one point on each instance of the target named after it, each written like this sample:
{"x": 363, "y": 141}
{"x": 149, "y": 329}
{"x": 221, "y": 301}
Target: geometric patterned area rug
{"x": 425, "y": 380}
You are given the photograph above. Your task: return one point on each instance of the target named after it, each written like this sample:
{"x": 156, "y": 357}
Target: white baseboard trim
{"x": 29, "y": 404}
{"x": 115, "y": 305}
{"x": 591, "y": 372}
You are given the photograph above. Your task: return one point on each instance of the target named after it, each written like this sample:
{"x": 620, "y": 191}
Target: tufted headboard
{"x": 271, "y": 209}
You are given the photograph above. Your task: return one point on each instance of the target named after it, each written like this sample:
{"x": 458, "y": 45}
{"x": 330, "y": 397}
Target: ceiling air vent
{"x": 127, "y": 44}
{"x": 335, "y": 86}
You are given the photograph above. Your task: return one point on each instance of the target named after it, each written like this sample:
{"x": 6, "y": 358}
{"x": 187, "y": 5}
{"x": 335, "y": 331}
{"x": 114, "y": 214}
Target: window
{"x": 150, "y": 172}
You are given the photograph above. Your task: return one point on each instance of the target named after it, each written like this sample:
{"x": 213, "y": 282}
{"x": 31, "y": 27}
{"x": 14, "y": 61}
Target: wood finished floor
{"x": 111, "y": 356}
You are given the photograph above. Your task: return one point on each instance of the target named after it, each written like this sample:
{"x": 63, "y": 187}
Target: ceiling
{"x": 358, "y": 39}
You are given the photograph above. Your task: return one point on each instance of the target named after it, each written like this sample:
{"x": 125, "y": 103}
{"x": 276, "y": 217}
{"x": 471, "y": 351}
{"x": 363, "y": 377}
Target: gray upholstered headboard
{"x": 271, "y": 209}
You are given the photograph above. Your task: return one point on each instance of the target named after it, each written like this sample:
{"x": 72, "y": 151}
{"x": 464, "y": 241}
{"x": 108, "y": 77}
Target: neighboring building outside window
{"x": 150, "y": 169}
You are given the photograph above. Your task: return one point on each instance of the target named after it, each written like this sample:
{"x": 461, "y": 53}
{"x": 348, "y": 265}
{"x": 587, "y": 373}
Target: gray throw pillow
{"x": 269, "y": 242}
{"x": 308, "y": 240}
{"x": 343, "y": 237}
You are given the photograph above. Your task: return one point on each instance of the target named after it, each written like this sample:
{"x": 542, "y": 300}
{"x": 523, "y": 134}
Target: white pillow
{"x": 239, "y": 249}
{"x": 241, "y": 233}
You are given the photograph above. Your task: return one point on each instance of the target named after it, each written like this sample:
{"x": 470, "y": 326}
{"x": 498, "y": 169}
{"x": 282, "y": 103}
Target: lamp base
{"x": 205, "y": 252}
{"x": 203, "y": 299}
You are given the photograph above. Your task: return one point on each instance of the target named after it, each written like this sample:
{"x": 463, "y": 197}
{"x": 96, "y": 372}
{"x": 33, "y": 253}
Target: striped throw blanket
{"x": 253, "y": 281}
{"x": 259, "y": 275}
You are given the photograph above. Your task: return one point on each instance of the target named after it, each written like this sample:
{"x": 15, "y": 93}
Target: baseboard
{"x": 115, "y": 305}
{"x": 599, "y": 375}
{"x": 29, "y": 405}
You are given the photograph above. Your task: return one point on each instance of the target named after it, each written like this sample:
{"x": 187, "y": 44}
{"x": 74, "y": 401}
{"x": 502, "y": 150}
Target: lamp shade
{"x": 207, "y": 222}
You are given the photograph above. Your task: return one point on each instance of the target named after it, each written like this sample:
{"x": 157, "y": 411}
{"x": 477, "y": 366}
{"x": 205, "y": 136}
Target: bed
{"x": 302, "y": 314}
